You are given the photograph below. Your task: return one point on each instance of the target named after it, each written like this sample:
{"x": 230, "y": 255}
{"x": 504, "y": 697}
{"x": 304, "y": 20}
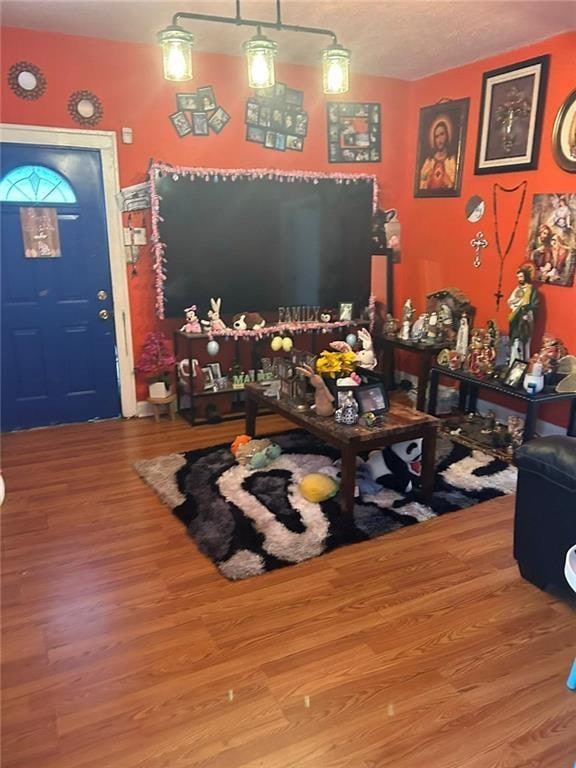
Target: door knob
{"x": 103, "y": 314}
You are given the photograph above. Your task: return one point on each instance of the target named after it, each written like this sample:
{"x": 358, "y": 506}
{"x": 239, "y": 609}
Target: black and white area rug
{"x": 252, "y": 521}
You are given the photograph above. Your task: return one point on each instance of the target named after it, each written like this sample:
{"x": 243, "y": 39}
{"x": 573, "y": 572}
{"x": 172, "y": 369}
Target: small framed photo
{"x": 301, "y": 124}
{"x": 206, "y": 98}
{"x": 372, "y": 398}
{"x": 181, "y": 124}
{"x": 280, "y": 144}
{"x": 293, "y": 97}
{"x": 187, "y": 102}
{"x": 216, "y": 370}
{"x": 200, "y": 123}
{"x": 265, "y": 116}
{"x": 512, "y": 110}
{"x": 208, "y": 377}
{"x": 564, "y": 134}
{"x": 290, "y": 121}
{"x": 270, "y": 140}
{"x": 280, "y": 91}
{"x": 277, "y": 119}
{"x": 218, "y": 120}
{"x": 255, "y": 133}
{"x": 345, "y": 310}
{"x": 295, "y": 143}
{"x": 252, "y": 115}
{"x": 515, "y": 373}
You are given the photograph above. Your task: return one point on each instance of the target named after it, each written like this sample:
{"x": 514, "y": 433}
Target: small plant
{"x": 156, "y": 359}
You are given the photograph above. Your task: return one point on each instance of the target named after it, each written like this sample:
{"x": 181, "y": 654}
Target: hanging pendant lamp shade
{"x": 260, "y": 55}
{"x": 176, "y": 46}
{"x": 335, "y": 69}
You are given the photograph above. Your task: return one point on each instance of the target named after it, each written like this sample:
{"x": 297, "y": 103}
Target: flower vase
{"x": 157, "y": 389}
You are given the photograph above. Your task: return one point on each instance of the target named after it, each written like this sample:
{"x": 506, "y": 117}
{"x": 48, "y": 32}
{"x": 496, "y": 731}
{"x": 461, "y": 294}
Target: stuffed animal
{"x": 365, "y": 357}
{"x": 398, "y": 465}
{"x": 255, "y": 454}
{"x": 238, "y": 441}
{"x": 248, "y": 321}
{"x": 318, "y": 487}
{"x": 192, "y": 324}
{"x": 214, "y": 323}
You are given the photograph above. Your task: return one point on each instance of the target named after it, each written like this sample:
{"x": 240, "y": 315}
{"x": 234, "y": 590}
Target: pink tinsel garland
{"x": 278, "y": 328}
{"x": 207, "y": 174}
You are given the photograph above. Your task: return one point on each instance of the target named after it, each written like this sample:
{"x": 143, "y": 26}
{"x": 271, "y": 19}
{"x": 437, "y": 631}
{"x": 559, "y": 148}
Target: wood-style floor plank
{"x": 123, "y": 647}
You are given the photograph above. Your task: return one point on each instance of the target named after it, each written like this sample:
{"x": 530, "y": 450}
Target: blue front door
{"x": 58, "y": 340}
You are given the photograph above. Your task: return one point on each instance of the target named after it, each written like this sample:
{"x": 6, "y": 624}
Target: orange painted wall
{"x": 435, "y": 235}
{"x": 128, "y": 80}
{"x": 436, "y": 248}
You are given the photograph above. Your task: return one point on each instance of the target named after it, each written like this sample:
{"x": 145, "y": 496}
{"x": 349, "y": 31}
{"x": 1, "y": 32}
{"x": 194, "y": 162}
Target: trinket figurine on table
{"x": 551, "y": 351}
{"x": 523, "y": 302}
{"x": 462, "y": 336}
{"x": 192, "y": 324}
{"x": 420, "y": 327}
{"x": 407, "y": 315}
{"x": 481, "y": 354}
{"x": 391, "y": 325}
{"x": 214, "y": 322}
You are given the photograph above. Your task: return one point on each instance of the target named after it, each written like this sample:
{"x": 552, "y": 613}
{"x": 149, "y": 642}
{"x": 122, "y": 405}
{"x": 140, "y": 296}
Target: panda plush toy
{"x": 398, "y": 465}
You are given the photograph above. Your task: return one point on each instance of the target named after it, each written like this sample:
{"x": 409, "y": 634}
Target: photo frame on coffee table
{"x": 372, "y": 398}
{"x": 515, "y": 374}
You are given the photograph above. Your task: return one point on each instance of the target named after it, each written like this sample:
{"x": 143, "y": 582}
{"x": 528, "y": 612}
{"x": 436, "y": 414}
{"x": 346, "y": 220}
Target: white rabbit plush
{"x": 215, "y": 323}
{"x": 192, "y": 324}
{"x": 365, "y": 357}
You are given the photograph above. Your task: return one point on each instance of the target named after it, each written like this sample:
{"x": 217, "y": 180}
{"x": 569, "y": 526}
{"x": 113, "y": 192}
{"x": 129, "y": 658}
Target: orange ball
{"x": 238, "y": 441}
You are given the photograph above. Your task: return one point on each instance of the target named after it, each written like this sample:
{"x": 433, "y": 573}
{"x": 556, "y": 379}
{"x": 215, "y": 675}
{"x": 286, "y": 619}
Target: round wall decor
{"x": 85, "y": 108}
{"x": 26, "y": 80}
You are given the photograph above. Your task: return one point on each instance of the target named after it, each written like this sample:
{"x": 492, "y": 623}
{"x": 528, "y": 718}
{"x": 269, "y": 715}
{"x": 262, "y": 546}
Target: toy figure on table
{"x": 192, "y": 324}
{"x": 523, "y": 302}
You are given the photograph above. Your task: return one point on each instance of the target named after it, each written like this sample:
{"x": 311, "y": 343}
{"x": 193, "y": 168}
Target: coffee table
{"x": 400, "y": 423}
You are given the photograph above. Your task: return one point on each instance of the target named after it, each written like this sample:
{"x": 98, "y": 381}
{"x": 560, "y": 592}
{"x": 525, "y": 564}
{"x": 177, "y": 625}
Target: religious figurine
{"x": 433, "y": 329}
{"x": 446, "y": 322}
{"x": 420, "y": 327}
{"x": 462, "y": 336}
{"x": 552, "y": 350}
{"x": 391, "y": 325}
{"x": 523, "y": 301}
{"x": 492, "y": 331}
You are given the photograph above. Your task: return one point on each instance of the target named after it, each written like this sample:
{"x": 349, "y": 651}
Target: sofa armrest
{"x": 551, "y": 458}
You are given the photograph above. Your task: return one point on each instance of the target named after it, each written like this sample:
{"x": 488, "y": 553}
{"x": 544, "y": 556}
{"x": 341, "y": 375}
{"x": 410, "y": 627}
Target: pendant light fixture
{"x": 177, "y": 43}
{"x": 260, "y": 55}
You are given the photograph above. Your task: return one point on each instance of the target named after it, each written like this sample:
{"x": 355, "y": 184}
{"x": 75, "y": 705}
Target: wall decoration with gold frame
{"x": 564, "y": 134}
{"x": 85, "y": 108}
{"x": 26, "y": 80}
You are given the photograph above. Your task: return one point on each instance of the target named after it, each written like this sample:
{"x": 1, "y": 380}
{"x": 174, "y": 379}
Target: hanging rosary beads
{"x": 502, "y": 255}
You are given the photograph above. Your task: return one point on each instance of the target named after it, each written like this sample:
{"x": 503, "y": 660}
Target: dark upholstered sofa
{"x": 545, "y": 517}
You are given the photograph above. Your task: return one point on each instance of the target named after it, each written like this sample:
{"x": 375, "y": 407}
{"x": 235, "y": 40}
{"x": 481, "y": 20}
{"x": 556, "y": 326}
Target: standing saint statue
{"x": 523, "y": 302}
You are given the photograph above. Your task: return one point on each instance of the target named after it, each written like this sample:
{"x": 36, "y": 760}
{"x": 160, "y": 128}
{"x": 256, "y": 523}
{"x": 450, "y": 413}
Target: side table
{"x": 426, "y": 354}
{"x": 158, "y": 402}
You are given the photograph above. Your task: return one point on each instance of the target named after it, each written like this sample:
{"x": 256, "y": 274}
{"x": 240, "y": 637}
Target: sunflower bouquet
{"x": 335, "y": 364}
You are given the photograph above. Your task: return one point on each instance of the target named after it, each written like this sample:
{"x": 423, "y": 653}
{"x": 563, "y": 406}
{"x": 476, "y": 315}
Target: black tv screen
{"x": 261, "y": 244}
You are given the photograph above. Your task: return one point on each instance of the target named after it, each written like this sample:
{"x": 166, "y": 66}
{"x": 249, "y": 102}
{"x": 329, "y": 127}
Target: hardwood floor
{"x": 124, "y": 648}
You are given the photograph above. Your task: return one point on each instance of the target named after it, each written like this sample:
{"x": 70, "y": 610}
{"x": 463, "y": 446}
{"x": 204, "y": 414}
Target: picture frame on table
{"x": 216, "y": 370}
{"x": 515, "y": 374}
{"x": 181, "y": 124}
{"x": 372, "y": 398}
{"x": 208, "y": 377}
{"x": 440, "y": 149}
{"x": 187, "y": 102}
{"x": 511, "y": 115}
{"x": 564, "y": 134}
{"x": 345, "y": 310}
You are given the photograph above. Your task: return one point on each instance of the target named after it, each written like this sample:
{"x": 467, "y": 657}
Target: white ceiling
{"x": 407, "y": 39}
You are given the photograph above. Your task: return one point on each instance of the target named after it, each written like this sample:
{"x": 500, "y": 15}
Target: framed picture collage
{"x": 198, "y": 113}
{"x": 276, "y": 119}
{"x": 353, "y": 132}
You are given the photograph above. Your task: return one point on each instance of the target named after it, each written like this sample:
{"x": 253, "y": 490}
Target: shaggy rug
{"x": 252, "y": 521}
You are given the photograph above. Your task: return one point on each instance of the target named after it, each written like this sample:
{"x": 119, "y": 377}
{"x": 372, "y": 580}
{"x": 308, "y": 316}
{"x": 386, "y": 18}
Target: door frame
{"x": 105, "y": 143}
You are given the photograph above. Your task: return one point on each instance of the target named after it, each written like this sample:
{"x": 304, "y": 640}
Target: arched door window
{"x": 35, "y": 184}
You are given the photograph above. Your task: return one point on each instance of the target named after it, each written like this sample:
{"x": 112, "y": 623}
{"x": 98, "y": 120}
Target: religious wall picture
{"x": 181, "y": 123}
{"x": 564, "y": 134}
{"x": 552, "y": 238}
{"x": 512, "y": 109}
{"x": 440, "y": 151}
{"x": 353, "y": 132}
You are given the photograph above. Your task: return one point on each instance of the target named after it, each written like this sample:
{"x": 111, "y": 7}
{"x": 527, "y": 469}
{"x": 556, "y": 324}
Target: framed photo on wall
{"x": 564, "y": 134}
{"x": 353, "y": 132}
{"x": 511, "y": 113}
{"x": 440, "y": 150}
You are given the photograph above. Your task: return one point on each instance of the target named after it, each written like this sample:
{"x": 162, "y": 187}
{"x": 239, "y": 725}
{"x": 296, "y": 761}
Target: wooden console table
{"x": 470, "y": 387}
{"x": 401, "y": 422}
{"x": 426, "y": 354}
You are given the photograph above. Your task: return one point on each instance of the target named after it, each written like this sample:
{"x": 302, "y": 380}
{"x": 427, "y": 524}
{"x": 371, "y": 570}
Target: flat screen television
{"x": 261, "y": 244}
